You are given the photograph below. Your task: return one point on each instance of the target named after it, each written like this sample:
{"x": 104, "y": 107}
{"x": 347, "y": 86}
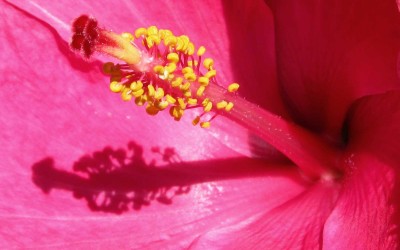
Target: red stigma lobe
{"x": 85, "y": 35}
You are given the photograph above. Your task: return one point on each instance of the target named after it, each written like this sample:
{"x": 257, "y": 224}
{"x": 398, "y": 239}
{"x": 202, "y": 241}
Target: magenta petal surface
{"x": 367, "y": 212}
{"x": 330, "y": 53}
{"x": 251, "y": 32}
{"x": 295, "y": 224}
{"x": 71, "y": 149}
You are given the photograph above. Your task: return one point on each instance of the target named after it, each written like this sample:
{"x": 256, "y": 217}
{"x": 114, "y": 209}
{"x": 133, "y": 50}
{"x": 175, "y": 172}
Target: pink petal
{"x": 227, "y": 29}
{"x": 367, "y": 213}
{"x": 296, "y": 224}
{"x": 53, "y": 95}
{"x": 330, "y": 53}
{"x": 31, "y": 219}
{"x": 57, "y": 112}
{"x": 255, "y": 70}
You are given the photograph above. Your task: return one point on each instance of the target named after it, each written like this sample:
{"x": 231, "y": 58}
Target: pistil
{"x": 316, "y": 158}
{"x": 162, "y": 71}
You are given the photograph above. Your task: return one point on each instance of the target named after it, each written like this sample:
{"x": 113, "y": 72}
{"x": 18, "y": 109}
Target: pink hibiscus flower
{"x": 150, "y": 182}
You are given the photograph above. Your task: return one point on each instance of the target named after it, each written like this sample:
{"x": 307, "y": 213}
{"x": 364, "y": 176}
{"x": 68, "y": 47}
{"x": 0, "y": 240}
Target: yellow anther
{"x": 196, "y": 120}
{"x": 208, "y": 107}
{"x": 233, "y": 87}
{"x": 141, "y": 100}
{"x": 151, "y": 90}
{"x": 140, "y": 32}
{"x": 165, "y": 75}
{"x": 190, "y": 49}
{"x": 179, "y": 44}
{"x": 185, "y": 86}
{"x": 205, "y": 124}
{"x": 173, "y": 57}
{"x": 108, "y": 68}
{"x": 205, "y": 101}
{"x": 152, "y": 30}
{"x": 185, "y": 38}
{"x": 158, "y": 69}
{"x": 182, "y": 43}
{"x": 149, "y": 42}
{"x": 176, "y": 112}
{"x": 177, "y": 82}
{"x": 155, "y": 39}
{"x": 126, "y": 94}
{"x": 200, "y": 91}
{"x": 170, "y": 77}
{"x": 221, "y": 104}
{"x": 187, "y": 93}
{"x": 201, "y": 51}
{"x": 229, "y": 106}
{"x": 170, "y": 99}
{"x": 151, "y": 110}
{"x": 162, "y": 105}
{"x": 186, "y": 70}
{"x": 116, "y": 87}
{"x": 192, "y": 63}
{"x": 204, "y": 81}
{"x": 167, "y": 69}
{"x": 164, "y": 33}
{"x": 211, "y": 73}
{"x": 190, "y": 76}
{"x": 171, "y": 67}
{"x": 208, "y": 63}
{"x": 170, "y": 41}
{"x": 138, "y": 93}
{"x": 191, "y": 101}
{"x": 135, "y": 86}
{"x": 172, "y": 111}
{"x": 181, "y": 103}
{"x": 159, "y": 93}
{"x": 128, "y": 36}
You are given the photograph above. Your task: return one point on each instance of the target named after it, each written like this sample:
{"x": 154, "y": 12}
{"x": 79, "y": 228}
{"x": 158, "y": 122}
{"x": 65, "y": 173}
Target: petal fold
{"x": 295, "y": 224}
{"x": 331, "y": 53}
{"x": 367, "y": 212}
{"x": 252, "y": 50}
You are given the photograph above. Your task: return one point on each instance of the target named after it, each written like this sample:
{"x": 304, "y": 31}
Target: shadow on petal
{"x": 118, "y": 180}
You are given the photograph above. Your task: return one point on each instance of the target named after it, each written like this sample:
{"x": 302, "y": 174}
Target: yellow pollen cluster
{"x": 176, "y": 77}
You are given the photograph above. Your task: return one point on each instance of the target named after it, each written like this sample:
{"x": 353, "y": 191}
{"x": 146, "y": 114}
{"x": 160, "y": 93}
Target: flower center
{"x": 162, "y": 71}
